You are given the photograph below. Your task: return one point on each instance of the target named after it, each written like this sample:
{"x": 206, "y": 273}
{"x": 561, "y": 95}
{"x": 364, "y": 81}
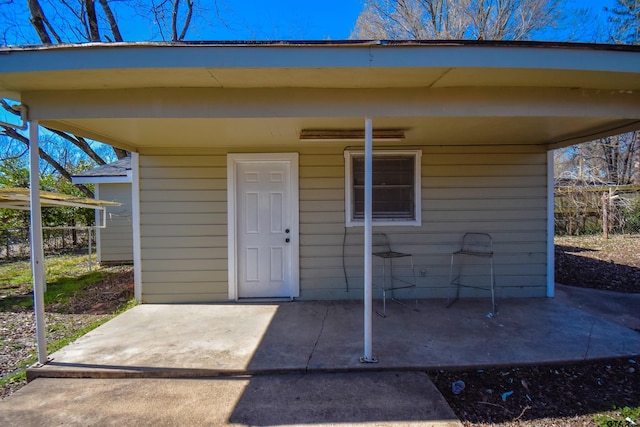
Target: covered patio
{"x": 217, "y": 129}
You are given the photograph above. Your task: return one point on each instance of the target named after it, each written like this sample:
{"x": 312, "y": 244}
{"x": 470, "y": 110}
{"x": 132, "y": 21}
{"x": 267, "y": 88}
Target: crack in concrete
{"x": 315, "y": 345}
{"x": 586, "y": 354}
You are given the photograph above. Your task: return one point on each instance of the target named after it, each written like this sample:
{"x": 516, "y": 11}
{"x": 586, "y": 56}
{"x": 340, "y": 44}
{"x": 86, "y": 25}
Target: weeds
{"x": 619, "y": 417}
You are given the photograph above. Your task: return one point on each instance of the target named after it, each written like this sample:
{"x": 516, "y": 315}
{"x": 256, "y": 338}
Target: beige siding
{"x": 499, "y": 190}
{"x": 183, "y": 204}
{"x": 496, "y": 189}
{"x": 116, "y": 240}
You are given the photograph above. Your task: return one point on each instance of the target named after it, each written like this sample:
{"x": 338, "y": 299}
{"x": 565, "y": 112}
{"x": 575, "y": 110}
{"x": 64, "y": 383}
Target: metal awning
{"x": 22, "y": 199}
{"x": 19, "y": 198}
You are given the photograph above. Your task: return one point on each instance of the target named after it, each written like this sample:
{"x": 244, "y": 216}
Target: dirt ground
{"x": 17, "y": 325}
{"x": 593, "y": 262}
{"x": 562, "y": 395}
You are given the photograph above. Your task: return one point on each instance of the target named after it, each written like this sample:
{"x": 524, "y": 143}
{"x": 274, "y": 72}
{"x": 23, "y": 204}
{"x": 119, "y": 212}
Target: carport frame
{"x": 16, "y": 199}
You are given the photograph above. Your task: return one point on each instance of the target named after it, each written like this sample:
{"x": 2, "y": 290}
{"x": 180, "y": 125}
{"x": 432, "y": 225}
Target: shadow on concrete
{"x": 314, "y": 348}
{"x": 349, "y": 398}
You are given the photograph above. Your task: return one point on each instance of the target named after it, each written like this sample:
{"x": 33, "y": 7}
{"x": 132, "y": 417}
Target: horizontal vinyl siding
{"x": 498, "y": 190}
{"x": 116, "y": 240}
{"x": 183, "y": 201}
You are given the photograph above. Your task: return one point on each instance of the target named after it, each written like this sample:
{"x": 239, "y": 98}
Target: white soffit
{"x": 232, "y": 94}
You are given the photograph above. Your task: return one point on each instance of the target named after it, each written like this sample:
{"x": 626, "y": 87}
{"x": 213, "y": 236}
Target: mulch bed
{"x": 613, "y": 267}
{"x": 566, "y": 395}
{"x": 559, "y": 395}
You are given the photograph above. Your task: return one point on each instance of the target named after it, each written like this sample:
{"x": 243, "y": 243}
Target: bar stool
{"x": 473, "y": 245}
{"x": 382, "y": 249}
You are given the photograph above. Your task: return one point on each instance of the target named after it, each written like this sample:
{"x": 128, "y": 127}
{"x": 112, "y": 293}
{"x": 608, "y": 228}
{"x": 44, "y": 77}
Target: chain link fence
{"x": 15, "y": 243}
{"x": 597, "y": 209}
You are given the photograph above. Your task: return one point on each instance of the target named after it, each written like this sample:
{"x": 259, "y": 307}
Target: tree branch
{"x": 81, "y": 143}
{"x": 187, "y": 20}
{"x": 12, "y": 133}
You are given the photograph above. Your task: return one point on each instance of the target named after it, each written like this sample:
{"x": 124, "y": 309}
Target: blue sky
{"x": 314, "y": 20}
{"x": 303, "y": 19}
{"x": 257, "y": 20}
{"x": 291, "y": 19}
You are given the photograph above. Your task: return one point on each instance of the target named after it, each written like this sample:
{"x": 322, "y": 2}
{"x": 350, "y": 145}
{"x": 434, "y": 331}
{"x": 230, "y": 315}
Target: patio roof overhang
{"x": 147, "y": 96}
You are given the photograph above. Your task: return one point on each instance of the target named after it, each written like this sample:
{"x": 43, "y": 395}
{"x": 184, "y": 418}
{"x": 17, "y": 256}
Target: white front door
{"x": 266, "y": 226}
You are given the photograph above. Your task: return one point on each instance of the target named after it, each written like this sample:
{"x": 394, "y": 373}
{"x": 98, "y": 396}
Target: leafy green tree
{"x": 14, "y": 173}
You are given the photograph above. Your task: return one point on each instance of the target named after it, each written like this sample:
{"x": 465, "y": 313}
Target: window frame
{"x": 349, "y": 192}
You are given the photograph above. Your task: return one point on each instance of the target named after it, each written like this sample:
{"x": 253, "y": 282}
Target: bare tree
{"x": 455, "y": 19}
{"x": 12, "y": 133}
{"x": 71, "y": 21}
{"x": 625, "y": 20}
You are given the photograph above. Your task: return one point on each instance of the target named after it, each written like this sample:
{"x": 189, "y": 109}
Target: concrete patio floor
{"x": 327, "y": 336}
{"x": 298, "y": 363}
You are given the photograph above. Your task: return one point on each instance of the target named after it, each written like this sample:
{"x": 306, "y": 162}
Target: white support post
{"x": 135, "y": 219}
{"x": 37, "y": 251}
{"x": 368, "y": 228}
{"x": 550, "y": 227}
{"x": 100, "y": 216}
{"x": 89, "y": 234}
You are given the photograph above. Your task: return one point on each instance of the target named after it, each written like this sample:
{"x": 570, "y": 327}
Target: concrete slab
{"x": 299, "y": 337}
{"x": 617, "y": 307}
{"x": 372, "y": 398}
{"x": 157, "y": 364}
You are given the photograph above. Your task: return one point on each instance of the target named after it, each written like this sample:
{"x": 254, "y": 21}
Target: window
{"x": 396, "y": 187}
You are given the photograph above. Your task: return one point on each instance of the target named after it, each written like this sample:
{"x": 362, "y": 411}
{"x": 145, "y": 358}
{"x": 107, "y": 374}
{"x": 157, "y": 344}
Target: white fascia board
{"x": 104, "y": 56}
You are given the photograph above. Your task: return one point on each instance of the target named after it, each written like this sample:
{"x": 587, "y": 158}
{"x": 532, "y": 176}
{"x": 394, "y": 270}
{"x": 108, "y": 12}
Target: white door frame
{"x": 233, "y": 159}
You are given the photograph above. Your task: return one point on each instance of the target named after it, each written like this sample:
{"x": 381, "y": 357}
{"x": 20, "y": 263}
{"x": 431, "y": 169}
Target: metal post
{"x": 368, "y": 228}
{"x": 89, "y": 232}
{"x": 550, "y": 226}
{"x": 37, "y": 252}
{"x": 135, "y": 217}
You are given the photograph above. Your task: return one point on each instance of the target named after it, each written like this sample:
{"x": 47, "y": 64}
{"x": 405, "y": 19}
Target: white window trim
{"x": 348, "y": 188}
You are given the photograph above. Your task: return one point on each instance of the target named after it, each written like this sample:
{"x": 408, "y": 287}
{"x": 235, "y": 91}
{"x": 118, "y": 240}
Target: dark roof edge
{"x": 114, "y": 169}
{"x": 335, "y": 43}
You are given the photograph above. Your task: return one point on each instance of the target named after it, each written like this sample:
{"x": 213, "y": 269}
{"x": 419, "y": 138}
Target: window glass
{"x": 396, "y": 187}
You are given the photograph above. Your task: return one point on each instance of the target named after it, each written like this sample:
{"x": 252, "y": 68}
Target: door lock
{"x": 287, "y": 240}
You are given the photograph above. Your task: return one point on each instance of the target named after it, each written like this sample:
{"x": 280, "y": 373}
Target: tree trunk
{"x": 187, "y": 20}
{"x": 94, "y": 32}
{"x": 38, "y": 21}
{"x": 115, "y": 30}
{"x": 605, "y": 215}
